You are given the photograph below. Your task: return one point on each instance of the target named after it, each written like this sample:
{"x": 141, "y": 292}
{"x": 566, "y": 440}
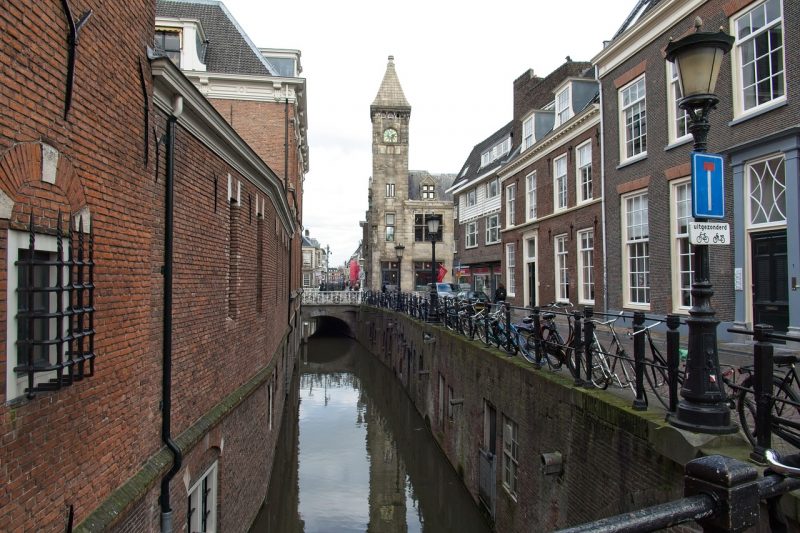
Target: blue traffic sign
{"x": 708, "y": 186}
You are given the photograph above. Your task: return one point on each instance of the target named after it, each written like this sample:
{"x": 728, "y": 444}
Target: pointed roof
{"x": 390, "y": 95}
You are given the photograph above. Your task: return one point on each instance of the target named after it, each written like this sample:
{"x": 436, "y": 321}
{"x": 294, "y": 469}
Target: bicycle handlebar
{"x": 774, "y": 460}
{"x": 609, "y": 322}
{"x": 646, "y": 328}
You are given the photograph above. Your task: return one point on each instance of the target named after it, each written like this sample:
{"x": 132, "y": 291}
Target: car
{"x": 475, "y": 296}
{"x": 445, "y": 290}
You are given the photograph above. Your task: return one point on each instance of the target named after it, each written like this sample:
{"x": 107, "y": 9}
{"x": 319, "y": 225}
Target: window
{"x": 450, "y": 398}
{"x": 562, "y": 273}
{"x": 390, "y": 227}
{"x": 496, "y": 151}
{"x": 493, "y": 188}
{"x": 530, "y": 195}
{"x": 636, "y": 249}
{"x": 421, "y": 227}
{"x": 633, "y": 116}
{"x": 492, "y": 229}
{"x": 560, "y": 183}
{"x": 510, "y": 455}
{"x": 306, "y": 258}
{"x": 563, "y": 107}
{"x": 678, "y": 118}
{"x": 202, "y": 515}
{"x": 511, "y": 263}
{"x": 168, "y": 43}
{"x": 429, "y": 192}
{"x": 527, "y": 133}
{"x": 681, "y": 214}
{"x": 586, "y": 266}
{"x": 472, "y": 235}
{"x": 584, "y": 171}
{"x": 472, "y": 197}
{"x": 511, "y": 204}
{"x": 390, "y": 190}
{"x": 766, "y": 180}
{"x": 759, "y": 61}
{"x": 306, "y": 279}
{"x": 49, "y": 333}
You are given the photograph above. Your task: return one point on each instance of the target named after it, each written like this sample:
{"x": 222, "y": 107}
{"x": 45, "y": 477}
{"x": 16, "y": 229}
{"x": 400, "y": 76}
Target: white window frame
{"x": 498, "y": 150}
{"x": 635, "y": 93}
{"x": 531, "y": 243}
{"x": 511, "y": 204}
{"x": 530, "y": 196}
{"x": 428, "y": 191}
{"x": 493, "y": 229}
{"x": 737, "y": 60}
{"x": 493, "y": 188}
{"x": 195, "y": 499}
{"x": 772, "y": 208}
{"x": 680, "y": 208}
{"x": 561, "y": 267}
{"x": 581, "y": 165}
{"x": 511, "y": 265}
{"x": 510, "y": 455}
{"x": 20, "y": 240}
{"x": 677, "y": 118}
{"x": 472, "y": 197}
{"x": 560, "y": 187}
{"x": 389, "y": 236}
{"x": 528, "y": 132}
{"x": 631, "y": 242}
{"x": 563, "y": 104}
{"x": 471, "y": 235}
{"x": 585, "y": 267}
{"x": 390, "y": 190}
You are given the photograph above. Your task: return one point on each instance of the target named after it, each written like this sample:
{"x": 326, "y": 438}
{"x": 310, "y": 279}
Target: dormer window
{"x": 527, "y": 133}
{"x": 563, "y": 107}
{"x": 428, "y": 192}
{"x": 495, "y": 152}
{"x": 168, "y": 43}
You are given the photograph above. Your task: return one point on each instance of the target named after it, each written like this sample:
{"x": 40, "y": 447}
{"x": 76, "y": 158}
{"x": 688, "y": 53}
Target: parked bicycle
{"x": 611, "y": 365}
{"x": 555, "y": 350}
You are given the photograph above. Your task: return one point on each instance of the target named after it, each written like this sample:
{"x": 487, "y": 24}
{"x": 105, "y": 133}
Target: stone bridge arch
{"x": 341, "y": 319}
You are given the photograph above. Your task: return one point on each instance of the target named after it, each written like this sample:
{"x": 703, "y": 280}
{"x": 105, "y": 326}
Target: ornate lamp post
{"x": 399, "y": 249}
{"x": 433, "y": 229}
{"x": 702, "y": 408}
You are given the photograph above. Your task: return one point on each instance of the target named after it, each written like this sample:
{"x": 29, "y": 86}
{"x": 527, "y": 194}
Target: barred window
{"x": 51, "y": 298}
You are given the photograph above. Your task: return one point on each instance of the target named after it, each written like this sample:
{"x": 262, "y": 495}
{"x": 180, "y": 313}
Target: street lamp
{"x": 433, "y": 228}
{"x": 702, "y": 409}
{"x": 399, "y": 249}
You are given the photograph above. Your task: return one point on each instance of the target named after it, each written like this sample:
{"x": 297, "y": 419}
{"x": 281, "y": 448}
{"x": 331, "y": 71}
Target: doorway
{"x": 770, "y": 282}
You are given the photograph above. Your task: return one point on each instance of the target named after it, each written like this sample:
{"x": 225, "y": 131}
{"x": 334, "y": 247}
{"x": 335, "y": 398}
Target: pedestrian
{"x": 500, "y": 293}
{"x": 383, "y": 289}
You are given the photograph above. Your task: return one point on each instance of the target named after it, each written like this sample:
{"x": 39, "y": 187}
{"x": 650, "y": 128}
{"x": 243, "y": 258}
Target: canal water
{"x": 355, "y": 456}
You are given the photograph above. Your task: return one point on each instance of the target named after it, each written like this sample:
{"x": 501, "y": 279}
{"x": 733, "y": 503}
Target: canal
{"x": 354, "y": 455}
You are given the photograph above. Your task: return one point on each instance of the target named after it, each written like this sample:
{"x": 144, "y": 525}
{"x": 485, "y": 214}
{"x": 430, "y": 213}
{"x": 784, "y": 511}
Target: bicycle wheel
{"x": 786, "y": 416}
{"x": 623, "y": 364}
{"x": 655, "y": 372}
{"x": 601, "y": 373}
{"x": 464, "y": 325}
{"x": 525, "y": 346}
{"x": 503, "y": 341}
{"x": 481, "y": 332}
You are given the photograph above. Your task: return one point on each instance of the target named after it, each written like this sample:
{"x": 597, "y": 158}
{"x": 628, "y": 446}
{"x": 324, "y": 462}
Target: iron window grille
{"x": 55, "y": 311}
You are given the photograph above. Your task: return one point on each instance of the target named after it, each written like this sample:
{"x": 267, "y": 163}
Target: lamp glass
{"x": 433, "y": 225}
{"x": 399, "y": 249}
{"x": 698, "y": 69}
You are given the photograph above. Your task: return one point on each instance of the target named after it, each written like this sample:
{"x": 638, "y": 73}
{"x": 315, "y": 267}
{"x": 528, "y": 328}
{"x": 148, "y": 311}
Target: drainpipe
{"x": 603, "y": 193}
{"x": 166, "y": 375}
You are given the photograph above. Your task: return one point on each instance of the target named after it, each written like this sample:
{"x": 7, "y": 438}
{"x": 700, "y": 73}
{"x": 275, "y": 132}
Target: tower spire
{"x": 390, "y": 95}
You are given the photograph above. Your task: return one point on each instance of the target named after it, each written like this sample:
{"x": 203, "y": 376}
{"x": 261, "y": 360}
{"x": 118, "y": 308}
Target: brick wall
{"x": 79, "y": 445}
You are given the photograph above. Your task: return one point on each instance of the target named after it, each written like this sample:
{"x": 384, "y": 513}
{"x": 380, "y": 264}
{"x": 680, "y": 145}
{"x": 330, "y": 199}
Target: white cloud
{"x": 456, "y": 61}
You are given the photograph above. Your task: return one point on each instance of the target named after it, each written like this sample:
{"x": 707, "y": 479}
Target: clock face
{"x": 390, "y": 135}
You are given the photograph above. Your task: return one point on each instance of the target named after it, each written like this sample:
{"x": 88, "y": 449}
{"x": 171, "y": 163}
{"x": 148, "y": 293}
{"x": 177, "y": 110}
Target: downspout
{"x": 603, "y": 194}
{"x": 166, "y": 375}
{"x": 286, "y": 193}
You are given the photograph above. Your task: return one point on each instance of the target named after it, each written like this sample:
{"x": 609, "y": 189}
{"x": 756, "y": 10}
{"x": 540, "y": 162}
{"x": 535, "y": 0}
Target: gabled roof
{"x": 390, "y": 95}
{"x": 639, "y": 10}
{"x": 472, "y": 166}
{"x": 230, "y": 50}
{"x": 442, "y": 182}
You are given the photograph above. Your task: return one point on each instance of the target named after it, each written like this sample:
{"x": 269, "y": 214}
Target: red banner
{"x": 442, "y": 272}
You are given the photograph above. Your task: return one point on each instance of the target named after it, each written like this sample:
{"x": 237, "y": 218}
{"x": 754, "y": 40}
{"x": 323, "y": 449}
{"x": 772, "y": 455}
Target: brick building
{"x": 167, "y": 314}
{"x": 646, "y": 150}
{"x": 552, "y": 235}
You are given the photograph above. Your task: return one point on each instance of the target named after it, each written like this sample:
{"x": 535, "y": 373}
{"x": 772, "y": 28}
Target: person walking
{"x": 500, "y": 293}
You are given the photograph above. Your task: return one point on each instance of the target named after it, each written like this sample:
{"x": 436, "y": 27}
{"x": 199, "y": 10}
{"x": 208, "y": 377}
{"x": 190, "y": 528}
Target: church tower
{"x": 390, "y": 113}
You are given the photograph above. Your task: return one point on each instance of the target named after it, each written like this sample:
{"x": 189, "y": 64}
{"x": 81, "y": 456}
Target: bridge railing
{"x": 332, "y": 297}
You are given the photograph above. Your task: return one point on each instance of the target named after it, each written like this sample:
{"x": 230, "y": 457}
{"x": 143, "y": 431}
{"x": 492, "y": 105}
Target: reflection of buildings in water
{"x": 387, "y": 478}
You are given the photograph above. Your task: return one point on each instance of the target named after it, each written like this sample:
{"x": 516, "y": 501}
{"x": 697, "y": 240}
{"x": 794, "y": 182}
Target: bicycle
{"x": 784, "y": 405}
{"x": 655, "y": 368}
{"x": 605, "y": 372}
{"x": 555, "y": 349}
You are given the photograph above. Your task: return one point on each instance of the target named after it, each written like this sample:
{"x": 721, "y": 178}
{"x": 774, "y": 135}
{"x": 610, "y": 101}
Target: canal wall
{"x": 613, "y": 459}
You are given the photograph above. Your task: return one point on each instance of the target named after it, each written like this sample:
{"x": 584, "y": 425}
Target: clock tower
{"x": 390, "y": 113}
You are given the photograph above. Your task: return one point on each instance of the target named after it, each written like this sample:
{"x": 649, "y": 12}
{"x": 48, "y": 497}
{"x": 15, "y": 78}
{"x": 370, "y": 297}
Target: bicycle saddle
{"x": 548, "y": 315}
{"x": 527, "y": 320}
{"x": 784, "y": 359}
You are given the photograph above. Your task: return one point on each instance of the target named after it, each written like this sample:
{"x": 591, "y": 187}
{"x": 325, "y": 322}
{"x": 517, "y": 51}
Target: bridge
{"x": 330, "y": 311}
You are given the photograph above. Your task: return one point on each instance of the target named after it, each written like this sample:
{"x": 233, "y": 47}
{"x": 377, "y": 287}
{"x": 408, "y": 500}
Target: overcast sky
{"x": 456, "y": 60}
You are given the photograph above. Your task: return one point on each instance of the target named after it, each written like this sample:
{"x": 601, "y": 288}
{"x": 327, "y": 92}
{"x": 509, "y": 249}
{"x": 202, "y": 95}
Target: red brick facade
{"x": 96, "y": 443}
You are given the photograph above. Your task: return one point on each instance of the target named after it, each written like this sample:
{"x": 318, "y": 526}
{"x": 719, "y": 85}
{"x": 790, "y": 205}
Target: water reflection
{"x": 362, "y": 459}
